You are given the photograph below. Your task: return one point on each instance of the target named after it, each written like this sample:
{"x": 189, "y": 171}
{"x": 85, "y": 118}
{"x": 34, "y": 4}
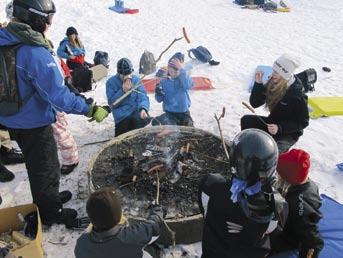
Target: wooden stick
{"x": 155, "y": 168}
{"x": 187, "y": 147}
{"x": 248, "y": 106}
{"x": 185, "y": 35}
{"x": 134, "y": 87}
{"x": 221, "y": 133}
{"x": 158, "y": 188}
{"x": 164, "y": 51}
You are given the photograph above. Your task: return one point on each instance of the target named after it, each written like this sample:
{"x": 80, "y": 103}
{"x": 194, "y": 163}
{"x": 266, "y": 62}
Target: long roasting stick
{"x": 221, "y": 132}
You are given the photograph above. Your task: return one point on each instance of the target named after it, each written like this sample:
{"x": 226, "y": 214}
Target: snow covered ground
{"x": 240, "y": 39}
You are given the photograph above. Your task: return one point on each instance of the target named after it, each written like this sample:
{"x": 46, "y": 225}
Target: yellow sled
{"x": 325, "y": 106}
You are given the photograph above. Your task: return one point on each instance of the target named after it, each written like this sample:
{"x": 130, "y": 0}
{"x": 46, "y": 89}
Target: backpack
{"x": 201, "y": 53}
{"x": 308, "y": 79}
{"x": 147, "y": 63}
{"x": 82, "y": 78}
{"x": 101, "y": 57}
{"x": 10, "y": 99}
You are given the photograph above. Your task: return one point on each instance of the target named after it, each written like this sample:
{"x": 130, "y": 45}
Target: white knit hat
{"x": 285, "y": 66}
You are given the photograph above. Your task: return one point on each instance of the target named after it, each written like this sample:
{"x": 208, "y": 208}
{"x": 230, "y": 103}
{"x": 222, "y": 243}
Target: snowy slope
{"x": 240, "y": 39}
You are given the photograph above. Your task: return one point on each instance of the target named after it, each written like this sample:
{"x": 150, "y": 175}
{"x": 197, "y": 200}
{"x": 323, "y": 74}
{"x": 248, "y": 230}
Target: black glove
{"x": 156, "y": 209}
{"x": 79, "y": 223}
{"x": 159, "y": 90}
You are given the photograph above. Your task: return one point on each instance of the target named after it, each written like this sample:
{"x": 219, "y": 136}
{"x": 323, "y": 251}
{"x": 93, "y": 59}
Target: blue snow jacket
{"x": 136, "y": 101}
{"x": 175, "y": 98}
{"x": 39, "y": 76}
{"x": 65, "y": 49}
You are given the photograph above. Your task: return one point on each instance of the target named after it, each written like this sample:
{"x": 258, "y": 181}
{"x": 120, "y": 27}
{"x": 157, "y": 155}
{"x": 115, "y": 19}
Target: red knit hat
{"x": 294, "y": 166}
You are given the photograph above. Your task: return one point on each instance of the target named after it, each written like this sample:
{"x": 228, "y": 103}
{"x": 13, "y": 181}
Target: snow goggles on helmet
{"x": 48, "y": 16}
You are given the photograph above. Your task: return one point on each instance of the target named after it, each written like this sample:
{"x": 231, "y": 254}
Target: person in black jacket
{"x": 109, "y": 237}
{"x": 284, "y": 97}
{"x": 301, "y": 193}
{"x": 239, "y": 212}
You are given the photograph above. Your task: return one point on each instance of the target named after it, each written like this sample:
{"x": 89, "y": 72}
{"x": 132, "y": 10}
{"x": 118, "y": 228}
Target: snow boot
{"x": 67, "y": 169}
{"x": 65, "y": 216}
{"x": 5, "y": 174}
{"x": 11, "y": 156}
{"x": 65, "y": 196}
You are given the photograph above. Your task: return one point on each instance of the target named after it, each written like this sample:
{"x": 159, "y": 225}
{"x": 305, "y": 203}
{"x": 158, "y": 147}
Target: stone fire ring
{"x": 188, "y": 229}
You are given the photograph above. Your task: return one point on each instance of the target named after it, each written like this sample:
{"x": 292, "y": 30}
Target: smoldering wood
{"x": 181, "y": 156}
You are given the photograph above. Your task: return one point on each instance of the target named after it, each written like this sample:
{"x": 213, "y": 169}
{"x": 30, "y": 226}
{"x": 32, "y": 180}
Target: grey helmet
{"x": 36, "y": 13}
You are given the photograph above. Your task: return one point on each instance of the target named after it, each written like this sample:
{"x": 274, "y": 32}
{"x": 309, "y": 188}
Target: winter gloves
{"x": 98, "y": 113}
{"x": 159, "y": 91}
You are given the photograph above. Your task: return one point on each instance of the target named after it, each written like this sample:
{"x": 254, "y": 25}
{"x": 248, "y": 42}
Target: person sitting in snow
{"x": 241, "y": 212}
{"x": 72, "y": 49}
{"x": 173, "y": 93}
{"x": 284, "y": 97}
{"x": 301, "y": 193}
{"x": 132, "y": 112}
{"x": 109, "y": 235}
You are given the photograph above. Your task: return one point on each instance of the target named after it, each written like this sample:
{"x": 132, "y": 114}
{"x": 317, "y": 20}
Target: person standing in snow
{"x": 41, "y": 86}
{"x": 286, "y": 101}
{"x": 72, "y": 49}
{"x": 132, "y": 112}
{"x": 301, "y": 193}
{"x": 109, "y": 237}
{"x": 173, "y": 93}
{"x": 240, "y": 213}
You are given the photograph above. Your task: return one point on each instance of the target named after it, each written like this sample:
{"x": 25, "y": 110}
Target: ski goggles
{"x": 48, "y": 16}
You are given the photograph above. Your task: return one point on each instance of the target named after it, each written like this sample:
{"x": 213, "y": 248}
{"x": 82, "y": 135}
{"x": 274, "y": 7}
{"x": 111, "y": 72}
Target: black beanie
{"x": 71, "y": 31}
{"x": 104, "y": 209}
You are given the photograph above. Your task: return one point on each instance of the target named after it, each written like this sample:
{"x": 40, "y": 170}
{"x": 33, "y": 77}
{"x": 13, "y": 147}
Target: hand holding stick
{"x": 221, "y": 132}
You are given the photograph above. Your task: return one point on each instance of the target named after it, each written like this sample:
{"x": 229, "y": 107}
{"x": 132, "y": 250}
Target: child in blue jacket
{"x": 173, "y": 93}
{"x": 132, "y": 112}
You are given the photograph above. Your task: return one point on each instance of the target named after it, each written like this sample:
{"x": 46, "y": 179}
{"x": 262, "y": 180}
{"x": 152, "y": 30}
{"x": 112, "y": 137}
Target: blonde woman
{"x": 72, "y": 49}
{"x": 286, "y": 101}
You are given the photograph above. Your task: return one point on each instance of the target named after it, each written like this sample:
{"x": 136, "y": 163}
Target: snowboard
{"x": 99, "y": 72}
{"x": 200, "y": 83}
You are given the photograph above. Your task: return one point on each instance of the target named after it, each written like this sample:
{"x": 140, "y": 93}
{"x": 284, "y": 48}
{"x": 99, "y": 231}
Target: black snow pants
{"x": 39, "y": 148}
{"x": 284, "y": 142}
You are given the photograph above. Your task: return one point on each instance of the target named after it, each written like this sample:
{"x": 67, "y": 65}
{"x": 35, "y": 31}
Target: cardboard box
{"x": 9, "y": 221}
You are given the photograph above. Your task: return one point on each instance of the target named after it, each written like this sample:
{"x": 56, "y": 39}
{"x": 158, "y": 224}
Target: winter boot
{"x": 5, "y": 174}
{"x": 65, "y": 196}
{"x": 11, "y": 156}
{"x": 67, "y": 169}
{"x": 65, "y": 216}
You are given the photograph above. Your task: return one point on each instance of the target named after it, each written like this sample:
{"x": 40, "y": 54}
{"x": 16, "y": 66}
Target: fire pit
{"x": 164, "y": 159}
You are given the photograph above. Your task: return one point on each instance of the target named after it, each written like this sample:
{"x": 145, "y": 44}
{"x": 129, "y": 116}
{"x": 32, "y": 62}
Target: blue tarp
{"x": 267, "y": 71}
{"x": 331, "y": 229}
